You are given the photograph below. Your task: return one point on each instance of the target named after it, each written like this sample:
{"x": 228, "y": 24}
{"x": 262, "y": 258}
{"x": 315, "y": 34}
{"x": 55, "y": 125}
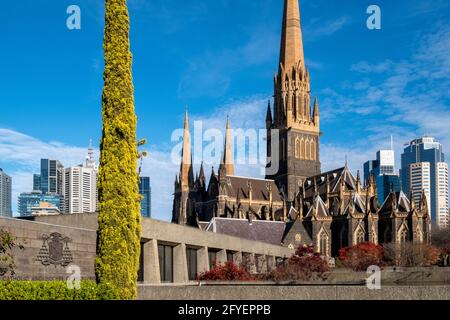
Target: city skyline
{"x": 249, "y": 86}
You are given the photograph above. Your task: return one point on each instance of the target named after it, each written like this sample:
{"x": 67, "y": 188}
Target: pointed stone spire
{"x": 316, "y": 114}
{"x": 411, "y": 200}
{"x": 291, "y": 51}
{"x": 201, "y": 176}
{"x": 358, "y": 182}
{"x": 186, "y": 170}
{"x": 227, "y": 161}
{"x": 269, "y": 119}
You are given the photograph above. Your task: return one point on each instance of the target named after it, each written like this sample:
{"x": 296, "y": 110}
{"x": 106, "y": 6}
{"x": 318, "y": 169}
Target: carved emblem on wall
{"x": 55, "y": 250}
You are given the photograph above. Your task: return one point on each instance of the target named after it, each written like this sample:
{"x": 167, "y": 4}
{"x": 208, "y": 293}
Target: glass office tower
{"x": 146, "y": 192}
{"x": 417, "y": 153}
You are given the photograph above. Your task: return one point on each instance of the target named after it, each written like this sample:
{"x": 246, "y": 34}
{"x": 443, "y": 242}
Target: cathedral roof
{"x": 257, "y": 230}
{"x": 335, "y": 178}
{"x": 239, "y": 187}
{"x": 357, "y": 203}
{"x": 396, "y": 201}
{"x": 318, "y": 210}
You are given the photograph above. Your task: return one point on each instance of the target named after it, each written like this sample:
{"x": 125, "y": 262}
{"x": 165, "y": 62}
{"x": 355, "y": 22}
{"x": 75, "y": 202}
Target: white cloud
{"x": 319, "y": 28}
{"x": 21, "y": 154}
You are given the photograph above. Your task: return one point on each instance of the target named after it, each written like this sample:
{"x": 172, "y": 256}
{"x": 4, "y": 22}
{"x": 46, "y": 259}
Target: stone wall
{"x": 54, "y": 242}
{"x": 276, "y": 292}
{"x": 50, "y": 248}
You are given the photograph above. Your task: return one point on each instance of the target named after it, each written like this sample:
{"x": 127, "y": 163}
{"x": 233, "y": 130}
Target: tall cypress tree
{"x": 119, "y": 233}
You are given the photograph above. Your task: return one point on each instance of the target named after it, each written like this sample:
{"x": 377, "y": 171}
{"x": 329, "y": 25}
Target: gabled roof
{"x": 318, "y": 210}
{"x": 357, "y": 202}
{"x": 257, "y": 230}
{"x": 239, "y": 187}
{"x": 335, "y": 177}
{"x": 396, "y": 201}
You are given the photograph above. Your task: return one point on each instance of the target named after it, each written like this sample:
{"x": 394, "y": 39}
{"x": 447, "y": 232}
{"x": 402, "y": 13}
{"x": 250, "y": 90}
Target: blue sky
{"x": 218, "y": 57}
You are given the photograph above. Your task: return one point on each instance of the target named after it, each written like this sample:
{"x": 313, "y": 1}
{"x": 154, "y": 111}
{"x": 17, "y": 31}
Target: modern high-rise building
{"x": 36, "y": 182}
{"x": 383, "y": 170}
{"x": 420, "y": 181}
{"x": 145, "y": 191}
{"x": 80, "y": 187}
{"x": 423, "y": 155}
{"x": 5, "y": 194}
{"x": 442, "y": 195}
{"x": 29, "y": 200}
{"x": 51, "y": 177}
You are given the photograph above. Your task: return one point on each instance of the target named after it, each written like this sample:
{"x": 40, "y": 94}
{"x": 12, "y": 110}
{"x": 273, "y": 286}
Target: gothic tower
{"x": 184, "y": 183}
{"x": 298, "y": 126}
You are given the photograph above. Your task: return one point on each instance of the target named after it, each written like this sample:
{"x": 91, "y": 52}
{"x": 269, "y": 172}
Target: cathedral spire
{"x": 227, "y": 160}
{"x": 291, "y": 51}
{"x": 186, "y": 170}
{"x": 269, "y": 115}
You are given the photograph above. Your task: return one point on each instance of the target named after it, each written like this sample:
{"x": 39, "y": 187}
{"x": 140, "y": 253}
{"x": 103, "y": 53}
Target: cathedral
{"x": 329, "y": 210}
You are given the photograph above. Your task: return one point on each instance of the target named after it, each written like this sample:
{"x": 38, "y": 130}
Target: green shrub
{"x": 54, "y": 290}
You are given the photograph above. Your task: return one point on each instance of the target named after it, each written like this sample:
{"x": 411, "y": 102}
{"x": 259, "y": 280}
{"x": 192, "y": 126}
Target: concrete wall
{"x": 81, "y": 230}
{"x": 274, "y": 292}
{"x": 82, "y": 247}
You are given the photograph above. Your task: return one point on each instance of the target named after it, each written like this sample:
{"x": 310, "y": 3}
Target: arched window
{"x": 302, "y": 149}
{"x": 297, "y": 148}
{"x": 322, "y": 241}
{"x": 313, "y": 150}
{"x": 418, "y": 237}
{"x": 308, "y": 150}
{"x": 403, "y": 235}
{"x": 359, "y": 236}
{"x": 283, "y": 149}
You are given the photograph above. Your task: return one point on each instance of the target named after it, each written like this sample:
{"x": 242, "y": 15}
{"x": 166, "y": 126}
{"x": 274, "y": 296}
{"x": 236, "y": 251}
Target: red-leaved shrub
{"x": 361, "y": 256}
{"x": 305, "y": 264}
{"x": 228, "y": 271}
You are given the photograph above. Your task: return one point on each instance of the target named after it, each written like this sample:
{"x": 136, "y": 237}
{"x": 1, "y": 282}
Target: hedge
{"x": 54, "y": 290}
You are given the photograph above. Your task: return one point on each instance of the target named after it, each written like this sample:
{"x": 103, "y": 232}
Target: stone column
{"x": 221, "y": 257}
{"x": 271, "y": 263}
{"x": 202, "y": 260}
{"x": 261, "y": 264}
{"x": 249, "y": 261}
{"x": 237, "y": 258}
{"x": 150, "y": 264}
{"x": 180, "y": 269}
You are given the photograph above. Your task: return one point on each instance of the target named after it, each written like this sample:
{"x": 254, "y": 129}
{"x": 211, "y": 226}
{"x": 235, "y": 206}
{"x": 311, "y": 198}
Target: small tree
{"x": 411, "y": 254}
{"x": 228, "y": 271}
{"x": 361, "y": 256}
{"x": 7, "y": 245}
{"x": 305, "y": 264}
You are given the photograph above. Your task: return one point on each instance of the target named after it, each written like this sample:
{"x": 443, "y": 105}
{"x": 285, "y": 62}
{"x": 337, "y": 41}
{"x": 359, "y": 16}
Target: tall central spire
{"x": 228, "y": 153}
{"x": 291, "y": 51}
{"x": 186, "y": 170}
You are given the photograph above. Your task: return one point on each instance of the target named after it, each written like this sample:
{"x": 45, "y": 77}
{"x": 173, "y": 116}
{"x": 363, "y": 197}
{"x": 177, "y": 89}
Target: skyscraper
{"x": 51, "y": 177}
{"x": 80, "y": 187}
{"x": 420, "y": 156}
{"x": 5, "y": 194}
{"x": 420, "y": 181}
{"x": 442, "y": 195}
{"x": 146, "y": 192}
{"x": 383, "y": 170}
